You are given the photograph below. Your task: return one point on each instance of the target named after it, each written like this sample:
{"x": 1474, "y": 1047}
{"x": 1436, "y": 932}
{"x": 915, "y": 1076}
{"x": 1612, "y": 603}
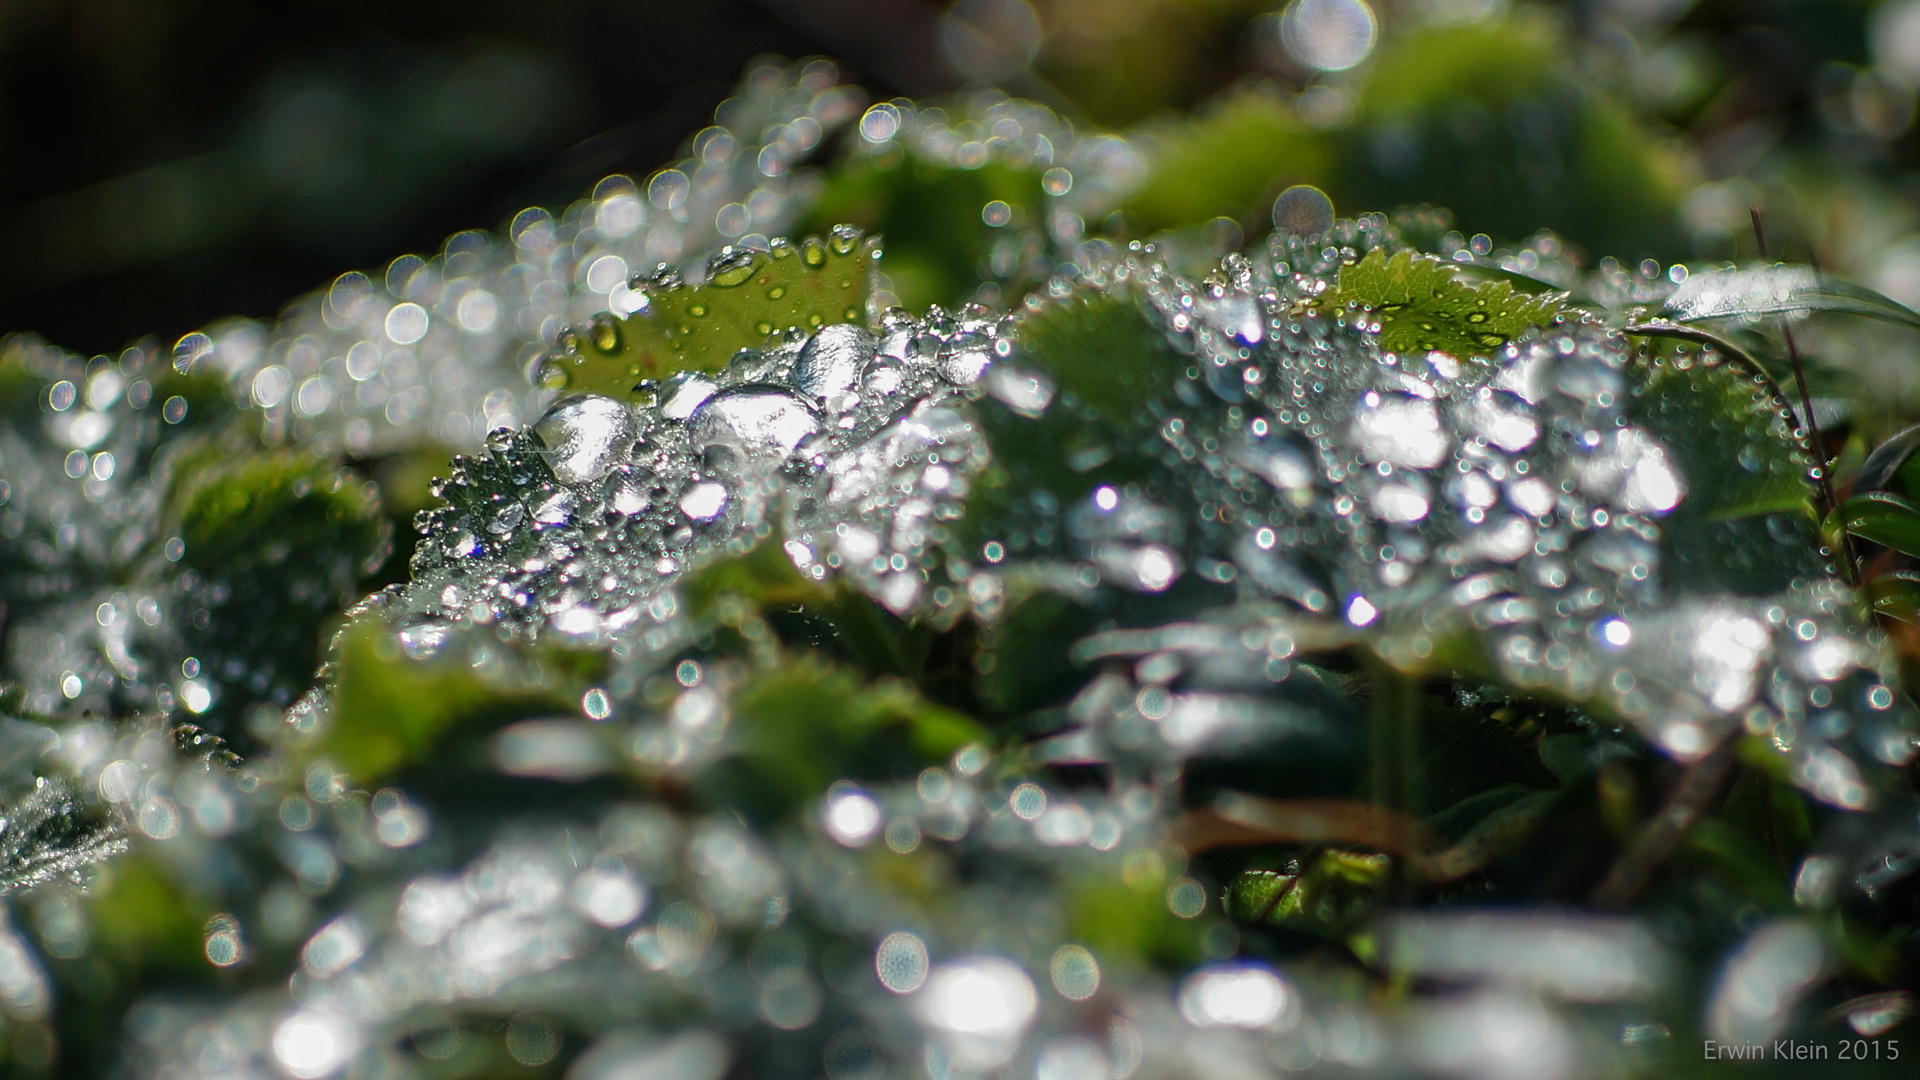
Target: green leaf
{"x": 765, "y": 579}
{"x": 1423, "y": 306}
{"x": 1897, "y": 594}
{"x": 748, "y": 297}
{"x": 1738, "y": 855}
{"x": 1231, "y": 160}
{"x": 390, "y": 710}
{"x": 1130, "y": 918}
{"x": 256, "y": 507}
{"x": 1099, "y": 348}
{"x": 1330, "y": 896}
{"x": 1747, "y": 523}
{"x": 1885, "y": 518}
{"x": 930, "y": 214}
{"x": 1108, "y": 364}
{"x": 806, "y": 722}
{"x": 1493, "y": 837}
{"x": 1778, "y": 290}
{"x": 140, "y": 913}
{"x": 1892, "y": 464}
{"x": 281, "y": 542}
{"x": 1438, "y": 123}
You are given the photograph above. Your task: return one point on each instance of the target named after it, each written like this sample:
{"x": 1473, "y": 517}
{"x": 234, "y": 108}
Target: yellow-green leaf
{"x": 749, "y": 296}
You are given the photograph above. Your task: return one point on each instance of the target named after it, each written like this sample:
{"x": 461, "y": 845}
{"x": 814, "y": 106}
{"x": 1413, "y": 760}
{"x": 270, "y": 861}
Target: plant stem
{"x": 1848, "y": 560}
{"x": 1699, "y": 788}
{"x": 1394, "y": 746}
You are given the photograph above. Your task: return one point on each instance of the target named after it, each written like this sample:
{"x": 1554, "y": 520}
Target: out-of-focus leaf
{"x": 1240, "y": 820}
{"x": 1488, "y": 120}
{"x": 1496, "y": 835}
{"x": 1130, "y": 919}
{"x": 390, "y": 710}
{"x": 805, "y": 723}
{"x": 250, "y": 507}
{"x": 1897, "y": 594}
{"x": 1742, "y": 858}
{"x": 748, "y": 296}
{"x": 142, "y": 915}
{"x": 1747, "y": 523}
{"x": 1887, "y": 466}
{"x": 1229, "y": 161}
{"x": 1099, "y": 348}
{"x": 279, "y": 542}
{"x": 1107, "y": 362}
{"x": 1423, "y": 306}
{"x": 1777, "y": 290}
{"x": 930, "y": 215}
{"x": 765, "y": 579}
{"x": 1883, "y": 518}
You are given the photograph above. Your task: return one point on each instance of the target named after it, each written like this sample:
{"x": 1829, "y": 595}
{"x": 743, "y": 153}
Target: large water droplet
{"x": 830, "y": 362}
{"x": 630, "y": 491}
{"x": 731, "y": 267}
{"x": 585, "y": 436}
{"x": 683, "y": 393}
{"x": 751, "y": 429}
{"x": 704, "y": 501}
{"x": 605, "y": 332}
{"x": 1304, "y": 211}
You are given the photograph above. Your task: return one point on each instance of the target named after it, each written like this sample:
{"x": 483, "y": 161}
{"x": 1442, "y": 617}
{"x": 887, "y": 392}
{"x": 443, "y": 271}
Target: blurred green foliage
{"x": 1747, "y": 523}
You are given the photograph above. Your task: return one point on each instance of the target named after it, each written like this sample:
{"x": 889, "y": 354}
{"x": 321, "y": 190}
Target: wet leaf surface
{"x": 1423, "y": 306}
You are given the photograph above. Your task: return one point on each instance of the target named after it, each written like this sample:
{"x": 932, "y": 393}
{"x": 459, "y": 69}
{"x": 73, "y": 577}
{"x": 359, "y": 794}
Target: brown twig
{"x": 1699, "y": 788}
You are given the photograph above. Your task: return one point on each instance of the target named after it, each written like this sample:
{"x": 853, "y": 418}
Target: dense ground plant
{"x": 1367, "y": 652}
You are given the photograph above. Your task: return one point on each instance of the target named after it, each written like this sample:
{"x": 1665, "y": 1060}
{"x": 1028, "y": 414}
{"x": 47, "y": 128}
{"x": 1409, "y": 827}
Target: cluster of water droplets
{"x": 1501, "y": 511}
{"x": 1084, "y": 177}
{"x": 848, "y": 440}
{"x": 971, "y": 917}
{"x": 440, "y": 349}
{"x": 103, "y": 618}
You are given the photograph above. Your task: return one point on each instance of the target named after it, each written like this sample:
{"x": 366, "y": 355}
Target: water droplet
{"x": 605, "y": 332}
{"x": 732, "y": 267}
{"x": 684, "y": 392}
{"x": 507, "y": 519}
{"x": 630, "y": 492}
{"x": 704, "y": 501}
{"x": 901, "y": 962}
{"x": 751, "y": 429}
{"x": 1330, "y": 35}
{"x": 830, "y": 362}
{"x": 1303, "y": 211}
{"x": 585, "y": 436}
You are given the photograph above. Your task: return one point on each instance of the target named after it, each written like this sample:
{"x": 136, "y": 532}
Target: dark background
{"x": 167, "y": 162}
